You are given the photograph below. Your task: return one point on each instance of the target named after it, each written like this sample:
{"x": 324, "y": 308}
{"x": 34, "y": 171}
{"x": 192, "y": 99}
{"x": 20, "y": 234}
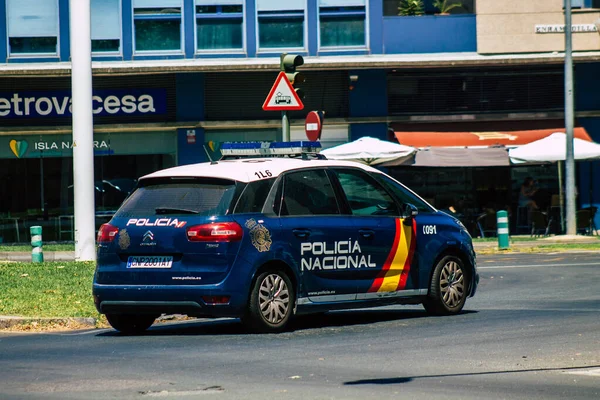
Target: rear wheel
{"x": 448, "y": 288}
{"x": 271, "y": 302}
{"x": 130, "y": 323}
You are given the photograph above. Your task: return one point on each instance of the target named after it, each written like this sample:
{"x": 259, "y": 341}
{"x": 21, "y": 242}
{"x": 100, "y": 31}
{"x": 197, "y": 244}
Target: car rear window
{"x": 199, "y": 197}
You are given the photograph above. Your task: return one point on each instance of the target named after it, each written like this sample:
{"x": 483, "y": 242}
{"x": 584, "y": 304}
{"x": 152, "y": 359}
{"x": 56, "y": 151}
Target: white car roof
{"x": 250, "y": 169}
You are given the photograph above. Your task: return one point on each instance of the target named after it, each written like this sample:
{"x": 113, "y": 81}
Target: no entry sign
{"x": 313, "y": 126}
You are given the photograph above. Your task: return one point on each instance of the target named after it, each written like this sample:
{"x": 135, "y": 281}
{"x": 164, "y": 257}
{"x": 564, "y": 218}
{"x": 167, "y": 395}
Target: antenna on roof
{"x": 208, "y": 155}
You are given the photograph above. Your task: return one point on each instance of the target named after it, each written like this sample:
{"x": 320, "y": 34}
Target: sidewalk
{"x": 17, "y": 256}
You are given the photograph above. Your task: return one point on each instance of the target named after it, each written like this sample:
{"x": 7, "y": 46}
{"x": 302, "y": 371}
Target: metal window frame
{"x": 177, "y": 52}
{"x": 344, "y": 48}
{"x": 270, "y": 50}
{"x": 241, "y": 50}
{"x": 13, "y": 56}
{"x": 120, "y": 51}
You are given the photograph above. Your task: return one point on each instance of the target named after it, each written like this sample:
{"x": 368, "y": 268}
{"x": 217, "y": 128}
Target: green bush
{"x": 411, "y": 7}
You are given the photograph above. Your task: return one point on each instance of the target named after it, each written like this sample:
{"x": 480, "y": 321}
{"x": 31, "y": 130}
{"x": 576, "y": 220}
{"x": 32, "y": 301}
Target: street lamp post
{"x": 569, "y": 123}
{"x": 83, "y": 141}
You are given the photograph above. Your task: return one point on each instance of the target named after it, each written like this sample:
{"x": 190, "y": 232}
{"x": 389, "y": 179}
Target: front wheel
{"x": 271, "y": 302}
{"x": 448, "y": 288}
{"x": 130, "y": 324}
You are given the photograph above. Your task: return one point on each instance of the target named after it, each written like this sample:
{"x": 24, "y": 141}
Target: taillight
{"x": 215, "y": 232}
{"x": 107, "y": 233}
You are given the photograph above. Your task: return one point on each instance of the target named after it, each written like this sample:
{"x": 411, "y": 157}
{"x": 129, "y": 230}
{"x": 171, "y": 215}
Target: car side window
{"x": 403, "y": 194}
{"x": 365, "y": 196}
{"x": 308, "y": 192}
{"x": 253, "y": 197}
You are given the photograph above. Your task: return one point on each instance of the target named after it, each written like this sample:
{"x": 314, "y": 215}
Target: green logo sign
{"x": 18, "y": 147}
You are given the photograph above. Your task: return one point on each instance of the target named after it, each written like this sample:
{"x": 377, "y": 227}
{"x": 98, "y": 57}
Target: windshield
{"x": 172, "y": 198}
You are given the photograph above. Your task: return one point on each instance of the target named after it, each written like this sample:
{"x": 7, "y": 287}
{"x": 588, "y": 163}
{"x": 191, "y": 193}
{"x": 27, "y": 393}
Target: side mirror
{"x": 408, "y": 211}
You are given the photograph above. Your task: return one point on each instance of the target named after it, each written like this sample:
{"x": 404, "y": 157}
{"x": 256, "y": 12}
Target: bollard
{"x": 37, "y": 254}
{"x": 502, "y": 218}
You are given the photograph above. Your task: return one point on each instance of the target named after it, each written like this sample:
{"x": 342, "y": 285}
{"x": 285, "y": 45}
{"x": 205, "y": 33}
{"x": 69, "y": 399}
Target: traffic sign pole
{"x": 285, "y": 127}
{"x": 283, "y": 96}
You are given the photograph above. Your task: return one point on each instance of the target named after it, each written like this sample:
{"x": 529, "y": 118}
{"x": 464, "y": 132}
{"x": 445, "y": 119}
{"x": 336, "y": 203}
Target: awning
{"x": 456, "y": 157}
{"x": 479, "y": 139}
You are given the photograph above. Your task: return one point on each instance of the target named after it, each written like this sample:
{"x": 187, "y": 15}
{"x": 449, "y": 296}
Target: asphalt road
{"x": 531, "y": 332}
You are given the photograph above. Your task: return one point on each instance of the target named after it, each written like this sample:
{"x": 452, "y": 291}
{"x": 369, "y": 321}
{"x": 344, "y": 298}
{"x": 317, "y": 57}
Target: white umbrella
{"x": 369, "y": 151}
{"x": 554, "y": 148}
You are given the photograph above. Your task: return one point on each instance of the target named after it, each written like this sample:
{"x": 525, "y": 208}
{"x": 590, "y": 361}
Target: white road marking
{"x": 540, "y": 265}
{"x": 587, "y": 372}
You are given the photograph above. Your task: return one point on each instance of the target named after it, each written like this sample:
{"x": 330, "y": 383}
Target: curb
{"x": 536, "y": 243}
{"x": 7, "y": 322}
{"x": 18, "y": 256}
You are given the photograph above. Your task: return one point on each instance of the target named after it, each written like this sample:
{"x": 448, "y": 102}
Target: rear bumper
{"x": 138, "y": 299}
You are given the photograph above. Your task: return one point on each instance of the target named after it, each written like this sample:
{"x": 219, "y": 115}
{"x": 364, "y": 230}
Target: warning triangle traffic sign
{"x": 282, "y": 96}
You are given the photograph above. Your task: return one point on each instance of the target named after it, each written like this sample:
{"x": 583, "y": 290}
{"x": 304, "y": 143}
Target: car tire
{"x": 130, "y": 324}
{"x": 448, "y": 287}
{"x": 272, "y": 302}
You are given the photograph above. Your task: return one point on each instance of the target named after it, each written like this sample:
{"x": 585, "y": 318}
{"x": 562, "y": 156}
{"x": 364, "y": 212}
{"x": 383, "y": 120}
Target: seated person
{"x": 527, "y": 192}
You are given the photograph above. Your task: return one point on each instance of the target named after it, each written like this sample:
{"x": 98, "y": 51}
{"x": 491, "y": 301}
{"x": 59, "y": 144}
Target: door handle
{"x": 366, "y": 233}
{"x": 301, "y": 233}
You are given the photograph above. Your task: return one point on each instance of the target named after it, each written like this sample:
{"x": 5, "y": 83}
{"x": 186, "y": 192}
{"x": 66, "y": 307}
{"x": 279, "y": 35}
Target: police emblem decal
{"x": 124, "y": 240}
{"x": 261, "y": 237}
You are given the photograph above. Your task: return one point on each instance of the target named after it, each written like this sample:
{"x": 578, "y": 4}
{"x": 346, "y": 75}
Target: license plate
{"x": 150, "y": 262}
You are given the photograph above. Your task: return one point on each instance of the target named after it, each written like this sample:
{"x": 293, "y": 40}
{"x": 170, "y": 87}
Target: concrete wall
{"x": 509, "y": 26}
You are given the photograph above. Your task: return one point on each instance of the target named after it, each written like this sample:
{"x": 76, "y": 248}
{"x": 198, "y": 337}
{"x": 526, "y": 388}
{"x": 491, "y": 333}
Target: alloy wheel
{"x": 274, "y": 298}
{"x": 452, "y": 284}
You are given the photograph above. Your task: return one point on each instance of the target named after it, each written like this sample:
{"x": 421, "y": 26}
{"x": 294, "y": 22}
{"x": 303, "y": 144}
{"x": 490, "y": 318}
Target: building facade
{"x": 175, "y": 78}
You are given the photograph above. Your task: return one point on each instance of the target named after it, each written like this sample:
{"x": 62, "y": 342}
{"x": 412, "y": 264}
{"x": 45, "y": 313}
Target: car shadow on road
{"x": 232, "y": 326}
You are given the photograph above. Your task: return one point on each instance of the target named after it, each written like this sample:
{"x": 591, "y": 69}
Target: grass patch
{"x": 50, "y": 289}
{"x": 46, "y": 247}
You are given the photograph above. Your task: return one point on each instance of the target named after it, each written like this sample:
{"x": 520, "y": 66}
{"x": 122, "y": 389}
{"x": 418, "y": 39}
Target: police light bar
{"x": 265, "y": 149}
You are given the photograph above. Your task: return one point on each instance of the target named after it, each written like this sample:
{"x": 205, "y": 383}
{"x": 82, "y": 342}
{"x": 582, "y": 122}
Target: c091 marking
{"x": 429, "y": 229}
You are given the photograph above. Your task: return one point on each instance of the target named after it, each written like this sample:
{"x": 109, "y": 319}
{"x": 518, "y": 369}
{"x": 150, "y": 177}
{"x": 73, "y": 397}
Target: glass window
{"x": 254, "y": 196}
{"x": 157, "y": 25}
{"x": 32, "y": 26}
{"x": 106, "y": 25}
{"x": 342, "y": 23}
{"x": 403, "y": 194}
{"x": 308, "y": 193}
{"x": 575, "y": 4}
{"x": 202, "y": 196}
{"x": 219, "y": 24}
{"x": 280, "y": 23}
{"x": 365, "y": 196}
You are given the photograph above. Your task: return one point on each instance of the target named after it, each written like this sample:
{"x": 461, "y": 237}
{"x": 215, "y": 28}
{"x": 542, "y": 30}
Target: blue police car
{"x": 265, "y": 239}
